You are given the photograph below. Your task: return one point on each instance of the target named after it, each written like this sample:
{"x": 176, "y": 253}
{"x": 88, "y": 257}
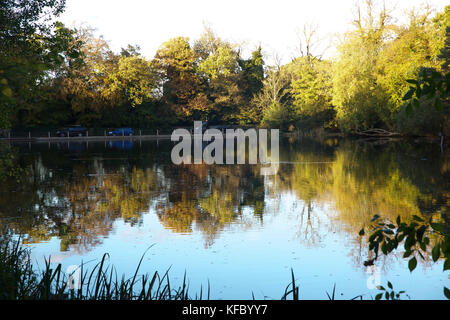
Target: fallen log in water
{"x": 377, "y": 133}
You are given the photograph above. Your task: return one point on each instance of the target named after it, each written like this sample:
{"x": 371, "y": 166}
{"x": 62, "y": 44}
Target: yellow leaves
{"x": 175, "y": 54}
{"x": 311, "y": 86}
{"x": 175, "y": 63}
{"x": 199, "y": 103}
{"x": 137, "y": 77}
{"x": 222, "y": 63}
{"x": 7, "y": 92}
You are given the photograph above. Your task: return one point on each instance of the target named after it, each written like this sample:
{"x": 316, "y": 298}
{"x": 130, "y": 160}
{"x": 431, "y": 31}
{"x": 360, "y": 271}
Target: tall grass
{"x": 20, "y": 281}
{"x": 291, "y": 289}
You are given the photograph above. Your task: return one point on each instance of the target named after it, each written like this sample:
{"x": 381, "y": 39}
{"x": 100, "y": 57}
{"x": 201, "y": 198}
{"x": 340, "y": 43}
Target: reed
{"x": 20, "y": 281}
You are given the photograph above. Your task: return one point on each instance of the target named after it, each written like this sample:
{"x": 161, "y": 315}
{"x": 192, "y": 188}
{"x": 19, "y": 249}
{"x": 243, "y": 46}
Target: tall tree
{"x": 81, "y": 85}
{"x": 252, "y": 83}
{"x": 253, "y": 73}
{"x": 175, "y": 62}
{"x": 412, "y": 47}
{"x": 311, "y": 90}
{"x": 25, "y": 32}
{"x": 273, "y": 103}
{"x": 360, "y": 102}
{"x": 133, "y": 80}
{"x": 219, "y": 68}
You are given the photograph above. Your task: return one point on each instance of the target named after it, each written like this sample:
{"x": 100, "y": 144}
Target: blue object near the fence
{"x": 121, "y": 132}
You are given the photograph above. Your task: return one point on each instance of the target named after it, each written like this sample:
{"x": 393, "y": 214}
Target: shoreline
{"x": 426, "y": 139}
{"x": 89, "y": 138}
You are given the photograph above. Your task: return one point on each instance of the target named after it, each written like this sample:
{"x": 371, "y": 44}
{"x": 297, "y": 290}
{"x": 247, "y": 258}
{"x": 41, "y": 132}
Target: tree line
{"x": 53, "y": 75}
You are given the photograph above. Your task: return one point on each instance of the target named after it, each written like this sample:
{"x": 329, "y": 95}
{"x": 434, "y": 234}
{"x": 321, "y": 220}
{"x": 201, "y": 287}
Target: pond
{"x": 228, "y": 224}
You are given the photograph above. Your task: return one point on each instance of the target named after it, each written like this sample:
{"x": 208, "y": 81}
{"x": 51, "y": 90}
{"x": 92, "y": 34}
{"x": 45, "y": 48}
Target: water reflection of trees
{"x": 78, "y": 196}
{"x": 78, "y": 208}
{"x": 211, "y": 197}
{"x": 359, "y": 180}
{"x": 309, "y": 227}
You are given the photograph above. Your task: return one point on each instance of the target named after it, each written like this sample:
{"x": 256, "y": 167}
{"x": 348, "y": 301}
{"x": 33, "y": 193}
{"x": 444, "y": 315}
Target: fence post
{"x": 157, "y": 132}
{"x": 140, "y": 132}
{"x": 9, "y": 134}
{"x": 49, "y": 134}
{"x": 29, "y": 135}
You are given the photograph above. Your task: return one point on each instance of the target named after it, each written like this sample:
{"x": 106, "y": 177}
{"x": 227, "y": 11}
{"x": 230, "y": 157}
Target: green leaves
{"x": 223, "y": 62}
{"x": 438, "y": 103}
{"x": 388, "y": 295}
{"x": 447, "y": 293}
{"x": 430, "y": 84}
{"x": 408, "y": 95}
{"x": 407, "y": 254}
{"x": 412, "y": 82}
{"x": 447, "y": 264}
{"x": 412, "y": 264}
{"x": 408, "y": 109}
{"x": 416, "y": 235}
{"x": 410, "y": 241}
{"x": 437, "y": 227}
{"x": 384, "y": 248}
{"x": 436, "y": 252}
{"x": 311, "y": 87}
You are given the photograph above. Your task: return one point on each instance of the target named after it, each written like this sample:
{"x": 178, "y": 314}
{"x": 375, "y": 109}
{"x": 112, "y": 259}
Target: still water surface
{"x": 227, "y": 223}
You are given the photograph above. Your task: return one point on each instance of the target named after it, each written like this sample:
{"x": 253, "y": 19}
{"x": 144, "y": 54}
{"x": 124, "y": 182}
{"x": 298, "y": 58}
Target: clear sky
{"x": 273, "y": 24}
